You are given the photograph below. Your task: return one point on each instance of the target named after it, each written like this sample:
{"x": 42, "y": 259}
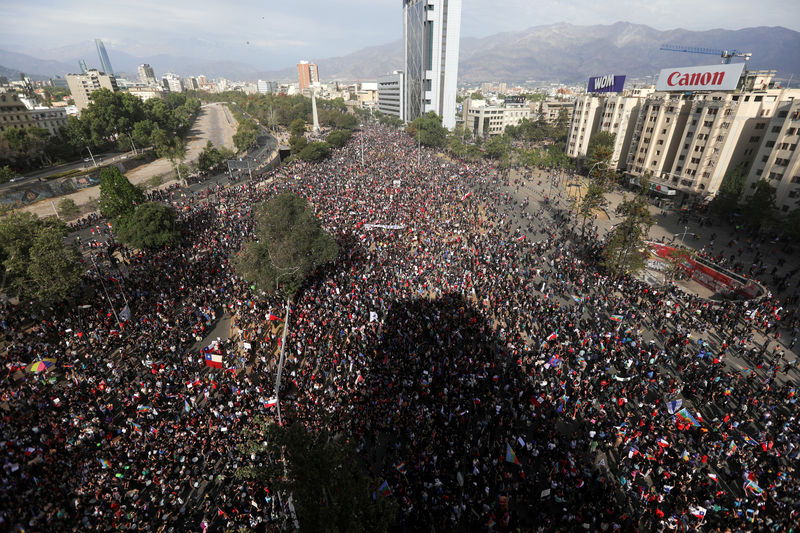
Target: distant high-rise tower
{"x": 82, "y": 64}
{"x": 146, "y": 74}
{"x": 308, "y": 73}
{"x": 431, "y": 33}
{"x": 104, "y": 61}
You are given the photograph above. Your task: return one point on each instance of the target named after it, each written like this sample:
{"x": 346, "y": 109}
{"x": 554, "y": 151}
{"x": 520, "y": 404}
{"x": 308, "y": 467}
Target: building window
{"x": 755, "y": 138}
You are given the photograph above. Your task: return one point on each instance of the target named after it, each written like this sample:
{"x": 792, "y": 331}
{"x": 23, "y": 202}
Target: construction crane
{"x": 726, "y": 55}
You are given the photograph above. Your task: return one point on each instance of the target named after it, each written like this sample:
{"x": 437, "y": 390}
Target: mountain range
{"x": 557, "y": 52}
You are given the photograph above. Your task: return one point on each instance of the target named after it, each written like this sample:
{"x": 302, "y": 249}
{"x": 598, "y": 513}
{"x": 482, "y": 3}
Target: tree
{"x": 730, "y": 191}
{"x": 118, "y": 196}
{"x": 151, "y": 225}
{"x": 456, "y": 147}
{"x": 36, "y": 263}
{"x": 624, "y": 249}
{"x": 428, "y": 130}
{"x": 760, "y": 208}
{"x": 297, "y": 128}
{"x": 675, "y": 263}
{"x": 68, "y": 209}
{"x": 297, "y": 144}
{"x": 315, "y": 151}
{"x": 338, "y": 138}
{"x": 498, "y": 147}
{"x": 289, "y": 245}
{"x": 601, "y": 140}
{"x": 6, "y": 174}
{"x": 330, "y": 489}
{"x": 592, "y": 200}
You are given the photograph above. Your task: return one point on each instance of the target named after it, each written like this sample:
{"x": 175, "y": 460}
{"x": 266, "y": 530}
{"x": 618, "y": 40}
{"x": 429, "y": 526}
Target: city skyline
{"x": 267, "y": 37}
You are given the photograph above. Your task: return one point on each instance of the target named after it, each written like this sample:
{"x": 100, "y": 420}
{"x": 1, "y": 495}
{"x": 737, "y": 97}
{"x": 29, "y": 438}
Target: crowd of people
{"x": 467, "y": 339}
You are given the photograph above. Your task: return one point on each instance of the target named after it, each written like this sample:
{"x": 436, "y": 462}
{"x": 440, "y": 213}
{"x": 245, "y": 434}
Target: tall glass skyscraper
{"x": 431, "y": 33}
{"x": 104, "y": 61}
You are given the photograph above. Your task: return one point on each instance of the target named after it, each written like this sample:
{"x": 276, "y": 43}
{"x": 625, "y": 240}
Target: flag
{"x": 136, "y": 427}
{"x": 401, "y": 467}
{"x": 577, "y": 299}
{"x": 272, "y": 402}
{"x": 731, "y": 448}
{"x": 144, "y": 409}
{"x": 384, "y": 489}
{"x": 685, "y": 455}
{"x": 553, "y": 336}
{"x": 698, "y": 512}
{"x": 749, "y": 440}
{"x": 674, "y": 405}
{"x": 125, "y": 314}
{"x": 186, "y": 407}
{"x": 663, "y": 442}
{"x": 212, "y": 359}
{"x": 686, "y": 417}
{"x": 104, "y": 464}
{"x": 511, "y": 457}
{"x": 373, "y": 316}
{"x": 753, "y": 486}
{"x": 272, "y": 318}
{"x": 554, "y": 361}
{"x": 464, "y": 197}
{"x": 616, "y": 318}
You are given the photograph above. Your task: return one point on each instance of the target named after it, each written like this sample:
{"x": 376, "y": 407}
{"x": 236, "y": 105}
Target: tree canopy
{"x": 151, "y": 225}
{"x": 760, "y": 208}
{"x": 429, "y": 129}
{"x": 730, "y": 191}
{"x": 290, "y": 243}
{"x": 118, "y": 196}
{"x": 624, "y": 250}
{"x": 314, "y": 151}
{"x": 36, "y": 263}
{"x": 338, "y": 138}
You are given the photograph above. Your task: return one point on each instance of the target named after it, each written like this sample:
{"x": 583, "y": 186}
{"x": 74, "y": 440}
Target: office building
{"x": 50, "y": 118}
{"x": 172, "y": 83}
{"x": 266, "y": 87}
{"x": 390, "y": 94}
{"x": 83, "y": 85}
{"x": 778, "y": 159}
{"x": 147, "y": 75}
{"x": 484, "y": 120}
{"x": 103, "y": 55}
{"x": 550, "y": 110}
{"x": 431, "y": 33}
{"x": 308, "y": 74}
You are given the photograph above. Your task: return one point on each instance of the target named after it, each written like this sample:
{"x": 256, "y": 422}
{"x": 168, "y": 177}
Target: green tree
{"x": 498, "y": 147}
{"x": 36, "y": 263}
{"x": 760, "y": 208}
{"x": 674, "y": 264}
{"x": 315, "y": 151}
{"x": 428, "y": 130}
{"x": 151, "y": 225}
{"x": 331, "y": 491}
{"x": 297, "y": 128}
{"x": 730, "y": 191}
{"x": 68, "y": 209}
{"x": 118, "y": 196}
{"x": 624, "y": 250}
{"x": 456, "y": 147}
{"x": 6, "y": 174}
{"x": 592, "y": 200}
{"x": 338, "y": 138}
{"x": 297, "y": 144}
{"x": 601, "y": 140}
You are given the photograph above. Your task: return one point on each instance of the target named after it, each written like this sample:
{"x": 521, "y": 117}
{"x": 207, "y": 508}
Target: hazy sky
{"x": 273, "y": 34}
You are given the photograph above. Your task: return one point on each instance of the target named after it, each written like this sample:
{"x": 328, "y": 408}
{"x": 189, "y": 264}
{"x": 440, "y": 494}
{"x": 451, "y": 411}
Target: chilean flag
{"x": 272, "y": 402}
{"x": 212, "y": 359}
{"x": 466, "y": 196}
{"x": 272, "y": 318}
{"x": 663, "y": 442}
{"x": 553, "y": 336}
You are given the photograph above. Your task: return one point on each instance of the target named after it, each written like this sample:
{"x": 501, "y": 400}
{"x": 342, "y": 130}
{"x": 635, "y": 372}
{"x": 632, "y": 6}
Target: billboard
{"x": 609, "y": 83}
{"x": 515, "y": 99}
{"x": 705, "y": 78}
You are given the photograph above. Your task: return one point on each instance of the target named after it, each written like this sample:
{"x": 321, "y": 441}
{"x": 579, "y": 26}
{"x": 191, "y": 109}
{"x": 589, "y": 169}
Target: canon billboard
{"x": 706, "y": 78}
{"x": 609, "y": 83}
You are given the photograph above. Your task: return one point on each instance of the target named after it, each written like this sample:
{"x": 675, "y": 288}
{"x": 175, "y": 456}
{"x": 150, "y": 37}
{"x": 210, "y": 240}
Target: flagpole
{"x": 110, "y": 303}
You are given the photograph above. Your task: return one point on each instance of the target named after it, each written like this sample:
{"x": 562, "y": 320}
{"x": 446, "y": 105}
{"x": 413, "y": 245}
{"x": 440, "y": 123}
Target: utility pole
{"x": 92, "y": 156}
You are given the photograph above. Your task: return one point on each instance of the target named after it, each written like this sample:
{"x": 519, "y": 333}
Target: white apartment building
{"x": 172, "y": 83}
{"x": 431, "y": 34}
{"x": 778, "y": 159}
{"x": 484, "y": 120}
{"x": 146, "y": 93}
{"x": 50, "y": 118}
{"x": 147, "y": 75}
{"x": 266, "y": 87}
{"x": 83, "y": 85}
{"x": 585, "y": 121}
{"x": 390, "y": 94}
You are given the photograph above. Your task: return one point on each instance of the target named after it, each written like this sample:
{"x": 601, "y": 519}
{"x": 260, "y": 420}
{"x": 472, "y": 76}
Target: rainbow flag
{"x": 749, "y": 440}
{"x": 104, "y": 464}
{"x": 511, "y": 457}
{"x": 401, "y": 468}
{"x": 616, "y": 318}
{"x": 686, "y": 417}
{"x": 753, "y": 486}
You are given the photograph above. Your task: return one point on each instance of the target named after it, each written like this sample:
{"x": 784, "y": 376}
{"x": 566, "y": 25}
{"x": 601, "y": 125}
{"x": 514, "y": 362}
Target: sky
{"x": 272, "y": 34}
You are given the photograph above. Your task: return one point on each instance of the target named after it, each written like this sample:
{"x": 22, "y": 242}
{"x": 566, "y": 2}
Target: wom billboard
{"x": 606, "y": 84}
{"x": 707, "y": 78}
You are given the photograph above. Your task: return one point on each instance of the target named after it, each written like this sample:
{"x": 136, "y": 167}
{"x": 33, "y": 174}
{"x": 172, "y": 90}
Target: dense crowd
{"x": 489, "y": 370}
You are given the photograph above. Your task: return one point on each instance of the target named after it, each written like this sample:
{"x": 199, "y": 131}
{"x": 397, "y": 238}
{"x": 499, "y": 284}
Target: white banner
{"x": 705, "y": 78}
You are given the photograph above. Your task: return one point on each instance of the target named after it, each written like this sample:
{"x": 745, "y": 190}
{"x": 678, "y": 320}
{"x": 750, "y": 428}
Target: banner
{"x": 705, "y": 78}
{"x": 609, "y": 83}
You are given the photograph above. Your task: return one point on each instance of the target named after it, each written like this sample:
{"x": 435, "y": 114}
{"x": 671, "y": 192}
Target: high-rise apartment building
{"x": 103, "y": 55}
{"x": 390, "y": 94}
{"x": 431, "y": 33}
{"x": 266, "y": 87}
{"x": 147, "y": 75}
{"x": 778, "y": 159}
{"x": 83, "y": 85}
{"x": 307, "y": 73}
{"x": 172, "y": 83}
